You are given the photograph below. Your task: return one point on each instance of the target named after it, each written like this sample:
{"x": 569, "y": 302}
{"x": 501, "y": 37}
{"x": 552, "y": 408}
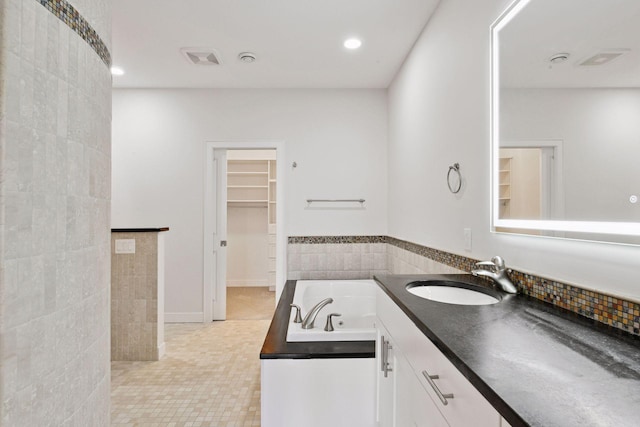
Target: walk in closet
{"x": 251, "y": 218}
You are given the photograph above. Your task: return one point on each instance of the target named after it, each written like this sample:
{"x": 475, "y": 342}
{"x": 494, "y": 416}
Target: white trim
{"x": 551, "y": 173}
{"x": 281, "y": 242}
{"x": 245, "y": 283}
{"x": 193, "y": 317}
{"x": 162, "y": 350}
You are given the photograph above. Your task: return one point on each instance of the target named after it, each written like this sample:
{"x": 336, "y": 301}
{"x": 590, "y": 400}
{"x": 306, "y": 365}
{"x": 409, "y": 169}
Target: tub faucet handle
{"x": 298, "y": 318}
{"x": 329, "y": 326}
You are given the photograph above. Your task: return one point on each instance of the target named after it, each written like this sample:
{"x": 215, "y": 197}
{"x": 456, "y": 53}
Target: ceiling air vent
{"x": 603, "y": 57}
{"x": 201, "y": 55}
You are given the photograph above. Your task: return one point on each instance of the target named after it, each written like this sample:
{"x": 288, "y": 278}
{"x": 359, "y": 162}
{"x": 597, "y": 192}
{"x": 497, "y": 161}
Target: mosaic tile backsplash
{"x": 74, "y": 20}
{"x": 403, "y": 257}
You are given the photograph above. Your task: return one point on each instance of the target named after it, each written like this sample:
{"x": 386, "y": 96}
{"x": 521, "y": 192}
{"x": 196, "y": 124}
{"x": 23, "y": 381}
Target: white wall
{"x": 438, "y": 115}
{"x": 600, "y": 131}
{"x": 337, "y": 137}
{"x": 247, "y": 247}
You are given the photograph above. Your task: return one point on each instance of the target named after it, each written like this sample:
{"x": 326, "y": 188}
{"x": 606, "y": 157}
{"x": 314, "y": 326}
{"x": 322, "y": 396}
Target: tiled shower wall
{"x": 307, "y": 256}
{"x": 55, "y": 111}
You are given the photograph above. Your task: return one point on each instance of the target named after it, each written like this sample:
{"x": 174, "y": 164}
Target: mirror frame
{"x": 608, "y": 229}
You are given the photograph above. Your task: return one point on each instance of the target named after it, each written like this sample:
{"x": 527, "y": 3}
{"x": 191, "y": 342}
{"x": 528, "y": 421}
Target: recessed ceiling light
{"x": 352, "y": 43}
{"x": 116, "y": 71}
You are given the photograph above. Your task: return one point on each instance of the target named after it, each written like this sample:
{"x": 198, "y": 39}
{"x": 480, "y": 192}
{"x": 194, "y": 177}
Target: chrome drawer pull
{"x": 385, "y": 366}
{"x": 443, "y": 397}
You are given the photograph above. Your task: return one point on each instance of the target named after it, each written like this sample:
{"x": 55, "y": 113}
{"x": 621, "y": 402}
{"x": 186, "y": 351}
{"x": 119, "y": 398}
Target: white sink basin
{"x": 449, "y": 293}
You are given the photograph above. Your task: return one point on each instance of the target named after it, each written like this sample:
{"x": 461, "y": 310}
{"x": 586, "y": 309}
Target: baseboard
{"x": 247, "y": 283}
{"x": 183, "y": 317}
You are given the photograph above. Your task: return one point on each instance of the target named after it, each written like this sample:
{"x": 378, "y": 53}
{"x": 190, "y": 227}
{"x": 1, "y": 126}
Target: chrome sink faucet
{"x": 307, "y": 322}
{"x": 497, "y": 272}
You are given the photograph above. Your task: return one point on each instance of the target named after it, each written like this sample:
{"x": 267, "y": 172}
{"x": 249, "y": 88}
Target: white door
{"x": 219, "y": 261}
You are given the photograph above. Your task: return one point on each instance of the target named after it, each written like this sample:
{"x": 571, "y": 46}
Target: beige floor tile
{"x": 210, "y": 376}
{"x": 250, "y": 303}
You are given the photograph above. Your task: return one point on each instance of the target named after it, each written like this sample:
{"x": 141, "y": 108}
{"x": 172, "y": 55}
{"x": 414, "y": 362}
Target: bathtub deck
{"x": 276, "y": 346}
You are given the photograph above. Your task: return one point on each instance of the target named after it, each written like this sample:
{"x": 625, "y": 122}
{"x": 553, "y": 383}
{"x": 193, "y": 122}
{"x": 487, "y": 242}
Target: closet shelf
{"x": 247, "y": 173}
{"x": 247, "y": 186}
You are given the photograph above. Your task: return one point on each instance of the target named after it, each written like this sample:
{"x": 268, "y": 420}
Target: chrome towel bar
{"x": 335, "y": 200}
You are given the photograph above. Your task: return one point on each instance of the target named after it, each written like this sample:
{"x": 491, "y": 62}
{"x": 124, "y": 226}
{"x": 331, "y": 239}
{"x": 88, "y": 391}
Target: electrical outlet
{"x": 125, "y": 246}
{"x": 467, "y": 239}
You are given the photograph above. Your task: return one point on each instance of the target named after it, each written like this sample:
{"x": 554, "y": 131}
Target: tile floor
{"x": 250, "y": 303}
{"x": 210, "y": 376}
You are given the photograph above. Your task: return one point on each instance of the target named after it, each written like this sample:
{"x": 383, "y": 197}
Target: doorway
{"x": 244, "y": 243}
{"x": 251, "y": 233}
{"x": 531, "y": 182}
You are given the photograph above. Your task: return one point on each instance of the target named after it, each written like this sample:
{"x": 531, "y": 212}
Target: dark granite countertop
{"x": 537, "y": 364}
{"x": 139, "y": 230}
{"x": 276, "y": 346}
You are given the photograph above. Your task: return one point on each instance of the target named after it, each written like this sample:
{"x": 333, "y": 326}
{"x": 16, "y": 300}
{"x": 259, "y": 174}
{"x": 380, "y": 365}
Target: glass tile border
{"x": 614, "y": 311}
{"x": 336, "y": 239}
{"x": 68, "y": 14}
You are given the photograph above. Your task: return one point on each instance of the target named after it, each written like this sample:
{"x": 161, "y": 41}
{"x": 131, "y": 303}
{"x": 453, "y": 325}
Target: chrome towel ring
{"x": 454, "y": 182}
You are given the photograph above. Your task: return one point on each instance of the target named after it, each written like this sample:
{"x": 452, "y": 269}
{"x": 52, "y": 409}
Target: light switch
{"x": 125, "y": 246}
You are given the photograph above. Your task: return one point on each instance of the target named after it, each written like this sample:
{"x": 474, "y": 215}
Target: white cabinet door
{"x": 402, "y": 401}
{"x": 467, "y": 407}
{"x": 386, "y": 378}
{"x": 504, "y": 423}
{"x": 414, "y": 407}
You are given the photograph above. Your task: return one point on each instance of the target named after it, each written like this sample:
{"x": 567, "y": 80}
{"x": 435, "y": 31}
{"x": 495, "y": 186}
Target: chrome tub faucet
{"x": 307, "y": 322}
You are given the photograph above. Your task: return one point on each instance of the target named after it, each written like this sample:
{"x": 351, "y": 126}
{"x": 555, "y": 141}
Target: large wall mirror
{"x": 566, "y": 119}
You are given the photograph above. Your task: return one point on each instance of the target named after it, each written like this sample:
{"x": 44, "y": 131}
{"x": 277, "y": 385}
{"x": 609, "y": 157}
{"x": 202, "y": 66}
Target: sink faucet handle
{"x": 498, "y": 262}
{"x": 298, "y": 318}
{"x": 486, "y": 264}
{"x": 329, "y": 326}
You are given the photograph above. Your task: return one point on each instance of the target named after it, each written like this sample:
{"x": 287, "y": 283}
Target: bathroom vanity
{"x": 528, "y": 363}
{"x": 518, "y": 362}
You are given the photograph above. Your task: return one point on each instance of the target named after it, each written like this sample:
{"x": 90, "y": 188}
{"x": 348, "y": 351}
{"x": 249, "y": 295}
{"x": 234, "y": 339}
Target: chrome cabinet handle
{"x": 386, "y": 366}
{"x": 443, "y": 397}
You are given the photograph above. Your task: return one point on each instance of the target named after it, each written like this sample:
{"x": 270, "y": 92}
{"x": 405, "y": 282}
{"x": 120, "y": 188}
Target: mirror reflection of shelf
{"x": 505, "y": 186}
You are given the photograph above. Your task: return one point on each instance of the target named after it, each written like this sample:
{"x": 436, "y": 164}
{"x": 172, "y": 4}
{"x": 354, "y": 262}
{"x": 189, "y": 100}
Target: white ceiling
{"x": 581, "y": 28}
{"x": 298, "y": 43}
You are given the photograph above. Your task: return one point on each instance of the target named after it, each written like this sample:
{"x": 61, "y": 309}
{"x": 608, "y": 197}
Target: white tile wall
{"x": 55, "y": 110}
{"x": 357, "y": 261}
{"x": 336, "y": 260}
